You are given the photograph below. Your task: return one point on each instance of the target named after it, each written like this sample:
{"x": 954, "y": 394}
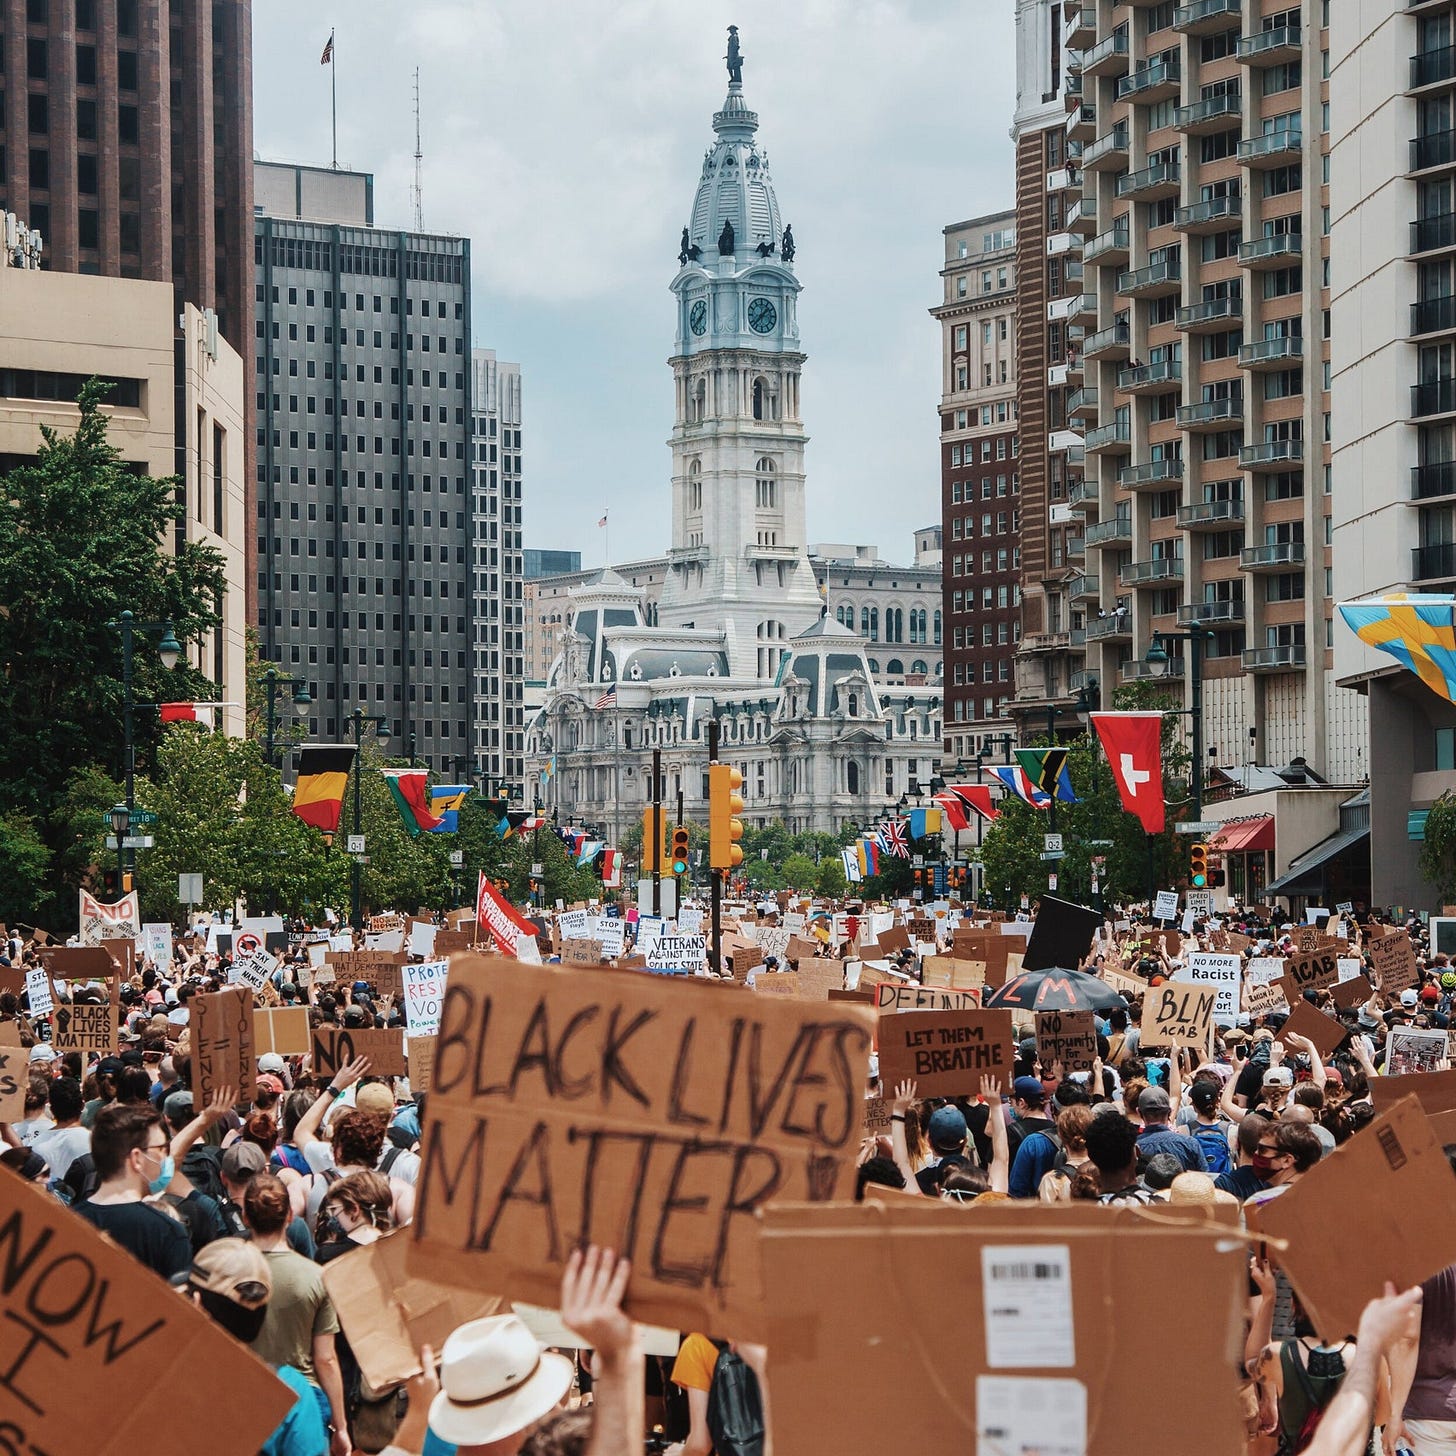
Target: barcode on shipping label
{"x": 1027, "y": 1302}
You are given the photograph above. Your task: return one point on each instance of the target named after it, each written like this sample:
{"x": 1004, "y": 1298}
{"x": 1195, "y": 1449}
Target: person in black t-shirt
{"x": 133, "y": 1159}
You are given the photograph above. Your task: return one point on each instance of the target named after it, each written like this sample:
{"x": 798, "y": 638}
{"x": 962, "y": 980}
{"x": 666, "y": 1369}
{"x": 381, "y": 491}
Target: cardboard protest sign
{"x": 1395, "y": 963}
{"x": 252, "y": 968}
{"x": 897, "y": 996}
{"x": 1436, "y": 1091}
{"x": 1324, "y": 1031}
{"x": 88, "y": 1326}
{"x": 1018, "y": 1364}
{"x": 381, "y": 968}
{"x": 1410, "y": 1050}
{"x": 680, "y": 953}
{"x": 449, "y": 942}
{"x": 424, "y": 991}
{"x": 1223, "y": 971}
{"x": 387, "y": 1314}
{"x": 647, "y": 1114}
{"x": 1165, "y": 905}
{"x": 224, "y": 1050}
{"x": 14, "y": 1073}
{"x": 1314, "y": 970}
{"x": 817, "y": 978}
{"x": 893, "y": 940}
{"x": 384, "y": 924}
{"x": 946, "y": 1053}
{"x": 778, "y": 983}
{"x": 84, "y": 1028}
{"x": 420, "y": 1052}
{"x": 281, "y": 1029}
{"x": 1263, "y": 997}
{"x": 1068, "y": 1037}
{"x": 576, "y": 952}
{"x": 799, "y": 950}
{"x": 82, "y": 962}
{"x": 1061, "y": 936}
{"x": 1394, "y": 1165}
{"x": 1177, "y": 1013}
{"x": 1354, "y": 992}
{"x": 39, "y": 992}
{"x": 876, "y": 1116}
{"x": 952, "y": 973}
{"x": 334, "y": 1046}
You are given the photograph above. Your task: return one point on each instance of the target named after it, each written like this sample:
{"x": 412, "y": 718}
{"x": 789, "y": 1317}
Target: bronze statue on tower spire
{"x": 734, "y": 58}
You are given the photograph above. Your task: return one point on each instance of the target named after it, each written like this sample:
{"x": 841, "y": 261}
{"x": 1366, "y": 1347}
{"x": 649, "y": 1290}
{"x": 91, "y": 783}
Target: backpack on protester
{"x": 1213, "y": 1144}
{"x": 735, "y": 1407}
{"x": 202, "y": 1168}
{"x": 1318, "y": 1387}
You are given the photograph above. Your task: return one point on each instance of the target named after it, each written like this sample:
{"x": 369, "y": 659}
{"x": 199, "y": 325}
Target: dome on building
{"x": 735, "y": 186}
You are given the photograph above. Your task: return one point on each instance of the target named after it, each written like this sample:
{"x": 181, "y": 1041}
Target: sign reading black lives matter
{"x": 652, "y": 1115}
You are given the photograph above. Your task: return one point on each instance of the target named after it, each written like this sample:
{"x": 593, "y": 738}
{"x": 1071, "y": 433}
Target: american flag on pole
{"x": 328, "y": 54}
{"x": 607, "y": 699}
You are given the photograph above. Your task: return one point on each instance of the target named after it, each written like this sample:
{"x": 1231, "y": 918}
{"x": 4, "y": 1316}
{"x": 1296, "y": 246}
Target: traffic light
{"x": 1217, "y": 879}
{"x": 679, "y": 851}
{"x": 725, "y": 804}
{"x": 653, "y": 858}
{"x": 1198, "y": 866}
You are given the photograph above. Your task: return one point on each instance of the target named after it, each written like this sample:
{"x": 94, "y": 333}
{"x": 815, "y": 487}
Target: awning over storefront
{"x": 1305, "y": 874}
{"x": 1245, "y": 835}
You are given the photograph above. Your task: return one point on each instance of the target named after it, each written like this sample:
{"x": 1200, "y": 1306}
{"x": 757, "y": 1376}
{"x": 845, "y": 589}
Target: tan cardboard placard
{"x": 13, "y": 1073}
{"x": 283, "y": 1030}
{"x": 82, "y": 962}
{"x": 72, "y": 1378}
{"x": 952, "y": 973}
{"x": 945, "y": 1053}
{"x": 577, "y": 952}
{"x": 876, "y": 1116}
{"x": 1324, "y": 1031}
{"x": 893, "y": 941}
{"x": 817, "y": 978}
{"x": 1127, "y": 986}
{"x": 800, "y": 950}
{"x": 223, "y": 1044}
{"x": 1068, "y": 1037}
{"x": 644, "y": 1113}
{"x": 1395, "y": 963}
{"x": 778, "y": 983}
{"x": 864, "y": 998}
{"x": 1395, "y": 1167}
{"x": 448, "y": 942}
{"x": 952, "y": 1361}
{"x": 1262, "y": 998}
{"x": 420, "y": 1051}
{"x": 1354, "y": 992}
{"x": 1313, "y": 971}
{"x": 387, "y": 1314}
{"x": 334, "y": 1046}
{"x": 1177, "y": 1013}
{"x": 380, "y": 967}
{"x": 745, "y": 958}
{"x": 897, "y": 996}
{"x": 84, "y": 1028}
{"x": 1436, "y": 1091}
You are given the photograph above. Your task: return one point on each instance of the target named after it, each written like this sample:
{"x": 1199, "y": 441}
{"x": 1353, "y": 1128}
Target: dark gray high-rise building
{"x": 365, "y": 509}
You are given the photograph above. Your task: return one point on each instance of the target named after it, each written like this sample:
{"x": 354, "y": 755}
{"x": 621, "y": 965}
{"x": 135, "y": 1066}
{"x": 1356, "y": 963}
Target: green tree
{"x": 81, "y": 541}
{"x": 799, "y": 872}
{"x": 1438, "y": 849}
{"x": 25, "y": 861}
{"x": 831, "y": 878}
{"x": 763, "y": 874}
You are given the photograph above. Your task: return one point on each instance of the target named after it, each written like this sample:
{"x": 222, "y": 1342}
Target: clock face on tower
{"x": 762, "y": 316}
{"x": 698, "y": 317}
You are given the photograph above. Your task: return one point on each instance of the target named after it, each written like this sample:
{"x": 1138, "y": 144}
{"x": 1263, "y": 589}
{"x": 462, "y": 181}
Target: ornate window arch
{"x": 695, "y": 484}
{"x": 766, "y": 485}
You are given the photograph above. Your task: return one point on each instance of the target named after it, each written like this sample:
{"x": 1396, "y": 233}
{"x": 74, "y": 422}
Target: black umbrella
{"x": 1055, "y": 989}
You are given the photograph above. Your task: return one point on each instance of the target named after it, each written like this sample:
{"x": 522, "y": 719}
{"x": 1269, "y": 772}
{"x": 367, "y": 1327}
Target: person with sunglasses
{"x": 132, "y": 1153}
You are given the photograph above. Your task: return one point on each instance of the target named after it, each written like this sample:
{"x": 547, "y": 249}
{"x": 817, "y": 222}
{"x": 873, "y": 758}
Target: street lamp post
{"x": 169, "y": 652}
{"x": 275, "y": 682}
{"x": 1157, "y": 660}
{"x": 356, "y": 720}
{"x": 1088, "y": 700}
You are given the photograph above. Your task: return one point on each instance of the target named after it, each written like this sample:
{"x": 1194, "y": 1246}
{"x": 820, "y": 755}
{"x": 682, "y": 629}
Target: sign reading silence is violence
{"x": 653, "y": 1115}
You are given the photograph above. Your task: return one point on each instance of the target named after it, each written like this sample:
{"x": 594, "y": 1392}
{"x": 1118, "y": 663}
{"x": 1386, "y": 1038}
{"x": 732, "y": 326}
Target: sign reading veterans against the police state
{"x": 645, "y": 1114}
{"x": 945, "y": 1053}
{"x": 678, "y": 953}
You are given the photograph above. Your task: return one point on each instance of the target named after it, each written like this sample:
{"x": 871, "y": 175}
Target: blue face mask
{"x": 164, "y": 1176}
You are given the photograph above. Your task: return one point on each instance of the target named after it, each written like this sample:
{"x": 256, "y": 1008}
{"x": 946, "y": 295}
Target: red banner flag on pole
{"x": 495, "y": 913}
{"x": 1133, "y": 743}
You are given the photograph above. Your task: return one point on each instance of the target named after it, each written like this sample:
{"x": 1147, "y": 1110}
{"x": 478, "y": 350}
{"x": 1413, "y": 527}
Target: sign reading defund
{"x": 651, "y": 1115}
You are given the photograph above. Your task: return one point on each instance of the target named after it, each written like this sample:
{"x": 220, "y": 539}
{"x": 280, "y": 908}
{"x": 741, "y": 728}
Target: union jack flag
{"x": 895, "y": 840}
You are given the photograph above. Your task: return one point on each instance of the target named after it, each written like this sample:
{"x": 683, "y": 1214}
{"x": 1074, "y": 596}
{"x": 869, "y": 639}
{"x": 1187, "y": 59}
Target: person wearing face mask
{"x": 131, "y": 1149}
{"x": 355, "y": 1212}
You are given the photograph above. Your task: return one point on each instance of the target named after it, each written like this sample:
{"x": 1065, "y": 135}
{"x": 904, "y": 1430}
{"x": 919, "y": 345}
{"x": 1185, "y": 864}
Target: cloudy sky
{"x": 565, "y": 138}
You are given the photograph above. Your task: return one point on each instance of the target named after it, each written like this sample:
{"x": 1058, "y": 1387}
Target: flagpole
{"x": 334, "y": 96}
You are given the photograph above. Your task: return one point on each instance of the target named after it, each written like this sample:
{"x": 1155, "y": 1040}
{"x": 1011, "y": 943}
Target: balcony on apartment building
{"x": 1433, "y": 316}
{"x": 1113, "y": 436}
{"x": 1433, "y": 68}
{"x": 1136, "y": 670}
{"x": 1076, "y": 548}
{"x": 1151, "y": 474}
{"x": 1282, "y": 658}
{"x": 1110, "y": 246}
{"x": 1064, "y": 179}
{"x": 1434, "y": 563}
{"x": 1211, "y": 414}
{"x": 1277, "y": 353}
{"x": 1059, "y": 310}
{"x": 1211, "y": 215}
{"x": 1272, "y": 556}
{"x": 1109, "y": 343}
{"x": 1117, "y": 531}
{"x": 1108, "y": 152}
{"x": 1046, "y": 642}
{"x": 1140, "y": 575}
{"x": 1435, "y": 397}
{"x": 1433, "y": 149}
{"x": 1210, "y": 114}
{"x": 1107, "y": 57}
{"x": 1214, "y": 515}
{"x": 1210, "y": 315}
{"x": 1081, "y": 27}
{"x": 1274, "y": 250}
{"x": 1081, "y": 123}
{"x": 1205, "y": 17}
{"x": 1436, "y": 478}
{"x": 1082, "y": 588}
{"x": 1269, "y": 455}
{"x": 1271, "y": 47}
{"x": 1152, "y": 182}
{"x": 1082, "y": 497}
{"x": 1163, "y": 376}
{"x": 1082, "y": 403}
{"x": 1114, "y": 627}
{"x": 1271, "y": 149}
{"x": 1151, "y": 82}
{"x": 1082, "y": 215}
{"x": 1064, "y": 245}
{"x": 1229, "y": 613}
{"x": 1156, "y": 280}
{"x": 1435, "y": 234}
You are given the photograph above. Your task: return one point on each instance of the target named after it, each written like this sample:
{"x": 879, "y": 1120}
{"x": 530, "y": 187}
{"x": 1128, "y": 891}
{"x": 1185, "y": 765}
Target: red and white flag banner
{"x": 496, "y": 913}
{"x": 1133, "y": 743}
